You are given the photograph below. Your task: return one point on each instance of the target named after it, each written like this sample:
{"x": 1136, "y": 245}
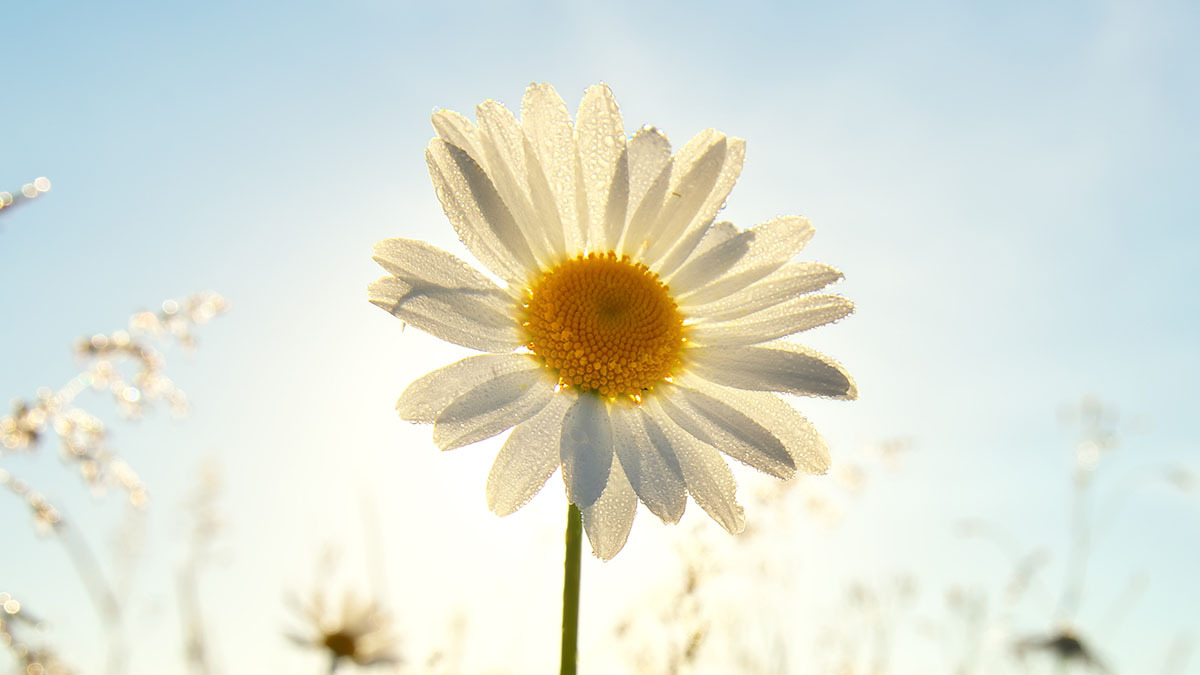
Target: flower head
{"x": 632, "y": 337}
{"x": 359, "y": 633}
{"x": 1064, "y": 646}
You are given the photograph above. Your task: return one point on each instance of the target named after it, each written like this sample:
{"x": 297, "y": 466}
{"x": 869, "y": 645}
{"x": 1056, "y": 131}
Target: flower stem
{"x": 570, "y": 622}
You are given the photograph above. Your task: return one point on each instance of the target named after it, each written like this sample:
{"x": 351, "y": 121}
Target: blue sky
{"x": 1009, "y": 190}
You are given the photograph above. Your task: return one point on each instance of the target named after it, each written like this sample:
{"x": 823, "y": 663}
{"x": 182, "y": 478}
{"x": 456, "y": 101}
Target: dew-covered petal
{"x": 788, "y": 318}
{"x": 586, "y": 449}
{"x": 774, "y": 243}
{"x": 608, "y": 520}
{"x": 547, "y": 125}
{"x": 789, "y": 281}
{"x": 429, "y": 395}
{"x": 503, "y": 145}
{"x": 686, "y": 241}
{"x": 582, "y": 228}
{"x": 650, "y": 465}
{"x": 799, "y": 437}
{"x": 600, "y": 139}
{"x": 694, "y": 173}
{"x": 776, "y": 366}
{"x": 713, "y": 421}
{"x": 649, "y": 153}
{"x": 644, "y": 217}
{"x": 528, "y": 459}
{"x": 708, "y": 478}
{"x": 500, "y": 129}
{"x": 492, "y": 407}
{"x": 477, "y": 318}
{"x": 617, "y": 205}
{"x": 480, "y": 217}
{"x": 719, "y": 233}
{"x": 457, "y": 130}
{"x": 713, "y": 262}
{"x": 416, "y": 261}
{"x": 545, "y": 207}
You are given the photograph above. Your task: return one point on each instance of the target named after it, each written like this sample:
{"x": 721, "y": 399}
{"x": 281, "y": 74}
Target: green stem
{"x": 570, "y": 622}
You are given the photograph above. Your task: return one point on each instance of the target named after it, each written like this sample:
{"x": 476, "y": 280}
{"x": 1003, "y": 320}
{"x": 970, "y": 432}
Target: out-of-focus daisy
{"x": 630, "y": 337}
{"x": 1065, "y": 647}
{"x": 360, "y": 633}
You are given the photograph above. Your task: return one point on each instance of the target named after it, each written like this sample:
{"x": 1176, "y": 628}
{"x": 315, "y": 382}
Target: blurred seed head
{"x": 31, "y": 660}
{"x": 1064, "y": 647}
{"x": 359, "y": 632}
{"x": 124, "y": 364}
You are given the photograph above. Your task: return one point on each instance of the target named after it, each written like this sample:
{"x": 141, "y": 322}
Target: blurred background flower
{"x": 357, "y": 632}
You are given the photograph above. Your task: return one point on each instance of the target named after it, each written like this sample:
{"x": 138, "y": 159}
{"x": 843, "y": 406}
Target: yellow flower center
{"x": 606, "y": 324}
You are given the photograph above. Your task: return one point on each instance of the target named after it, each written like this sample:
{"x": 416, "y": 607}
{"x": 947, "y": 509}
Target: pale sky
{"x": 1009, "y": 191}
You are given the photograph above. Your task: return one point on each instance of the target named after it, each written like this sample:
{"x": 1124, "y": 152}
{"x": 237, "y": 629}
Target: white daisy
{"x": 361, "y": 633}
{"x": 632, "y": 338}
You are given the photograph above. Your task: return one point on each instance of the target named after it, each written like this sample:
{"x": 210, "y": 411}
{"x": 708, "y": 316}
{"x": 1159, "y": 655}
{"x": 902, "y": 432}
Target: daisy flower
{"x": 360, "y": 633}
{"x": 629, "y": 338}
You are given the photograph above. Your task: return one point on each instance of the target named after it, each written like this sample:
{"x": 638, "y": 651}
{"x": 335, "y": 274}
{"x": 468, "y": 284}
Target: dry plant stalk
{"x": 130, "y": 369}
{"x": 34, "y": 660}
{"x": 82, "y": 435}
{"x": 694, "y": 623}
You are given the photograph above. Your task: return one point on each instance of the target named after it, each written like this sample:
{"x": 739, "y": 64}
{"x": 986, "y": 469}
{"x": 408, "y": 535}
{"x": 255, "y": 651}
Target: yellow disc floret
{"x": 606, "y": 324}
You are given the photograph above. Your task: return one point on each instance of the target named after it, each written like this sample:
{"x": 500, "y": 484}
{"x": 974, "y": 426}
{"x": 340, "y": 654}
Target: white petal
{"x": 544, "y": 206}
{"x": 492, "y": 407}
{"x": 788, "y": 318}
{"x": 649, "y": 153}
{"x": 708, "y": 478}
{"x": 644, "y": 217}
{"x": 458, "y": 131}
{"x": 650, "y": 465}
{"x": 547, "y": 124}
{"x": 587, "y": 449}
{"x": 719, "y": 233}
{"x": 712, "y": 263}
{"x": 416, "y": 261}
{"x": 479, "y": 215}
{"x": 503, "y": 144}
{"x": 773, "y": 244}
{"x": 799, "y": 437}
{"x": 429, "y": 395}
{"x": 693, "y": 175}
{"x": 787, "y": 282}
{"x": 777, "y": 366}
{"x": 477, "y": 318}
{"x": 723, "y": 426}
{"x": 617, "y": 206}
{"x": 528, "y": 459}
{"x": 608, "y": 521}
{"x": 600, "y": 139}
{"x": 582, "y": 227}
{"x": 499, "y": 128}
{"x": 735, "y": 155}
